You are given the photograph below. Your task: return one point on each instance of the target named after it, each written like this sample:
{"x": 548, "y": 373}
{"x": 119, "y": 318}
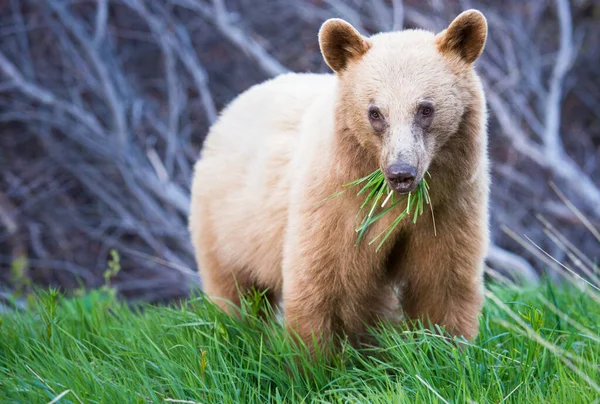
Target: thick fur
{"x": 260, "y": 214}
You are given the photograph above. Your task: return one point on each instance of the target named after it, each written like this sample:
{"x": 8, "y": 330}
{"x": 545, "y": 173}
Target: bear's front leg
{"x": 325, "y": 307}
{"x": 443, "y": 274}
{"x": 331, "y": 287}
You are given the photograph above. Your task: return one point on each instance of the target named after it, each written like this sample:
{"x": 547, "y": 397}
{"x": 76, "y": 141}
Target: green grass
{"x": 379, "y": 200}
{"x": 97, "y": 349}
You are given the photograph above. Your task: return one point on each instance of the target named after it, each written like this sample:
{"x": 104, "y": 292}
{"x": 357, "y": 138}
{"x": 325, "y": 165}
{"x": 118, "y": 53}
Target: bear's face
{"x": 403, "y": 94}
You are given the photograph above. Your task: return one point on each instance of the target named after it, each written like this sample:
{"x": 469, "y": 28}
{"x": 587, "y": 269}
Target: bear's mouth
{"x": 403, "y": 187}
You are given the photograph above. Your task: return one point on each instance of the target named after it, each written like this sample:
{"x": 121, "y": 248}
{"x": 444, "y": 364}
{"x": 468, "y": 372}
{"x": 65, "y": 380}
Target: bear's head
{"x": 402, "y": 95}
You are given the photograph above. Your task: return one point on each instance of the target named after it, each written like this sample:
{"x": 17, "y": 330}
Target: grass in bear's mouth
{"x": 376, "y": 189}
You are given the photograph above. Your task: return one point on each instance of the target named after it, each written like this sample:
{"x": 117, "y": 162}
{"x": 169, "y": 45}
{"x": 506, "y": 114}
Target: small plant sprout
{"x": 378, "y": 194}
{"x": 114, "y": 267}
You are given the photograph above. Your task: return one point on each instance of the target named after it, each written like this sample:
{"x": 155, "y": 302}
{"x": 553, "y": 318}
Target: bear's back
{"x": 273, "y": 108}
{"x": 242, "y": 180}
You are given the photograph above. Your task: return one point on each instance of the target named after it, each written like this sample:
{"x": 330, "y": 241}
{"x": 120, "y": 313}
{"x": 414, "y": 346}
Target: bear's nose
{"x": 401, "y": 177}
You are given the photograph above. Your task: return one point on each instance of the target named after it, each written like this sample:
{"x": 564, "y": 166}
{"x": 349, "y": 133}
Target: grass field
{"x": 536, "y": 345}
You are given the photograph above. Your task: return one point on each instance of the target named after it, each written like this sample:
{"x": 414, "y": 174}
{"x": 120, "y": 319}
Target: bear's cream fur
{"x": 261, "y": 217}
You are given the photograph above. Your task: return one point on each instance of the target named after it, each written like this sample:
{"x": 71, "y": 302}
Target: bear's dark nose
{"x": 401, "y": 177}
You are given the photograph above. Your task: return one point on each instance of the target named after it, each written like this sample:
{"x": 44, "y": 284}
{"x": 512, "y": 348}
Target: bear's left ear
{"x": 465, "y": 37}
{"x": 341, "y": 43}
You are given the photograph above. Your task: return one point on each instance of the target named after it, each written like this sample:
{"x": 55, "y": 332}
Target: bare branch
{"x": 185, "y": 53}
{"x": 552, "y": 142}
{"x": 46, "y": 97}
{"x": 512, "y": 264}
{"x": 220, "y": 17}
{"x": 110, "y": 91}
{"x": 564, "y": 168}
{"x": 398, "y": 15}
{"x": 101, "y": 16}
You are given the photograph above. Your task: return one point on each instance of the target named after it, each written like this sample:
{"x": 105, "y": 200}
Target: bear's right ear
{"x": 341, "y": 43}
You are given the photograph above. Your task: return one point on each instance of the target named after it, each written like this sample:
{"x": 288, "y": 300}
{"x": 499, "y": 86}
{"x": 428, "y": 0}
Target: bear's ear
{"x": 465, "y": 37}
{"x": 341, "y": 43}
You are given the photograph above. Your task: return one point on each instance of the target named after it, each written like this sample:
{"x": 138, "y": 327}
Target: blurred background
{"x": 104, "y": 105}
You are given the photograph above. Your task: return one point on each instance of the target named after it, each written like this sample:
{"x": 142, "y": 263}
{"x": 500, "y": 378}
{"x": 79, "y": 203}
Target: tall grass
{"x": 97, "y": 349}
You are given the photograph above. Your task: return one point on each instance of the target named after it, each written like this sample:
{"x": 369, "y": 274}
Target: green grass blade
{"x": 374, "y": 186}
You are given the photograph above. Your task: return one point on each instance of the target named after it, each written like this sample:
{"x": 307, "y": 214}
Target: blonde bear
{"x": 408, "y": 103}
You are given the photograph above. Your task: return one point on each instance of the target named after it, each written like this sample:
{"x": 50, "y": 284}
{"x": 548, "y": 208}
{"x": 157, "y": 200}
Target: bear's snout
{"x": 401, "y": 177}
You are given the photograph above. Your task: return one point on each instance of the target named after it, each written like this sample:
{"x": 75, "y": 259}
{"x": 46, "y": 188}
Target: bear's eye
{"x": 376, "y": 119}
{"x": 426, "y": 111}
{"x": 374, "y": 114}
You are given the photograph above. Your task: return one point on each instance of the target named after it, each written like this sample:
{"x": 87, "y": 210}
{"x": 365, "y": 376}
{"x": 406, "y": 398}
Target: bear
{"x": 262, "y": 216}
